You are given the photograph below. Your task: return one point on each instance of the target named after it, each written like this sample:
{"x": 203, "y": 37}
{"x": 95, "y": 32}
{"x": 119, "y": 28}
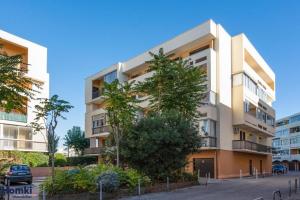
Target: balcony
{"x": 93, "y": 151}
{"x": 16, "y": 117}
{"x": 207, "y": 142}
{"x": 247, "y": 146}
{"x": 103, "y": 129}
{"x": 24, "y": 145}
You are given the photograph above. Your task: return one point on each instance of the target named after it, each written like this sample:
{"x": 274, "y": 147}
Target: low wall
{"x": 45, "y": 171}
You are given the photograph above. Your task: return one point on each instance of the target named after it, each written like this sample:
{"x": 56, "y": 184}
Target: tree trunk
{"x": 52, "y": 166}
{"x": 118, "y": 159}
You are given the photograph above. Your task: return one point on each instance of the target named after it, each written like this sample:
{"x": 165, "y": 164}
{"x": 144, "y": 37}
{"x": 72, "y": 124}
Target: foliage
{"x": 75, "y": 139}
{"x": 109, "y": 180}
{"x": 15, "y": 87}
{"x": 60, "y": 160}
{"x": 120, "y": 104}
{"x": 86, "y": 179}
{"x": 48, "y": 111}
{"x": 81, "y": 160}
{"x": 175, "y": 85}
{"x": 158, "y": 144}
{"x": 32, "y": 159}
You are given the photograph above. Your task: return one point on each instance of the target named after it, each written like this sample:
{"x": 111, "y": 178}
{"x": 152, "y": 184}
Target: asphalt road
{"x": 233, "y": 189}
{"x": 23, "y": 191}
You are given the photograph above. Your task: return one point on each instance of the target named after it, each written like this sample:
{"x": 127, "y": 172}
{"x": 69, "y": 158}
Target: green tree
{"x": 175, "y": 85}
{"x": 15, "y": 87}
{"x": 158, "y": 144}
{"x": 120, "y": 104}
{"x": 48, "y": 112}
{"x": 75, "y": 139}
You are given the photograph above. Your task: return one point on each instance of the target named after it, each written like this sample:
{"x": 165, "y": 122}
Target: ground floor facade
{"x": 228, "y": 164}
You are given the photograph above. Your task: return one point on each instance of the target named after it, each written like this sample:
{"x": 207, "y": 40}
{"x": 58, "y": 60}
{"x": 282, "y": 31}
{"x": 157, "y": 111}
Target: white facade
{"x": 15, "y": 133}
{"x": 287, "y": 139}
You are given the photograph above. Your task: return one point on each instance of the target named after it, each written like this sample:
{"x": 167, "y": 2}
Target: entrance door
{"x": 250, "y": 168}
{"x": 205, "y": 165}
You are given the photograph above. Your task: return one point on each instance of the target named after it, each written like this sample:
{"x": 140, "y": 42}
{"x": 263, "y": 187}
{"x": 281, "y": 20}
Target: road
{"x": 24, "y": 191}
{"x": 233, "y": 189}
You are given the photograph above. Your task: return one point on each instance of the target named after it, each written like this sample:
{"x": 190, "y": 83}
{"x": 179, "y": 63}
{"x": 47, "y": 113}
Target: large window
{"x": 295, "y": 129}
{"x": 282, "y": 133}
{"x": 99, "y": 120}
{"x": 295, "y": 119}
{"x": 207, "y": 128}
{"x": 258, "y": 113}
{"x": 110, "y": 77}
{"x": 250, "y": 84}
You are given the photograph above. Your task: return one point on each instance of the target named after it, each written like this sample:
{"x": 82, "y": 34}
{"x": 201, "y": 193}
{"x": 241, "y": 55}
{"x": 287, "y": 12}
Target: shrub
{"x": 32, "y": 159}
{"x": 60, "y": 160}
{"x": 82, "y": 160}
{"x": 110, "y": 181}
{"x": 86, "y": 179}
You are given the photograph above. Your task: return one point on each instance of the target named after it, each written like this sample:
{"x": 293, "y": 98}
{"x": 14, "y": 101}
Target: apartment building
{"x": 238, "y": 122}
{"x": 287, "y": 142}
{"x": 15, "y": 133}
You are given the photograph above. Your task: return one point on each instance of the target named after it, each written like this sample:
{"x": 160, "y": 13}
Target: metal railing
{"x": 94, "y": 150}
{"x": 17, "y": 117}
{"x": 102, "y": 129}
{"x": 252, "y": 146}
{"x": 208, "y": 141}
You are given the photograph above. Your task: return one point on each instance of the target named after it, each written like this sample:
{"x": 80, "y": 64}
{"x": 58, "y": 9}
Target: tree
{"x": 15, "y": 87}
{"x": 159, "y": 143}
{"x": 175, "y": 85}
{"x": 47, "y": 114}
{"x": 75, "y": 139}
{"x": 120, "y": 104}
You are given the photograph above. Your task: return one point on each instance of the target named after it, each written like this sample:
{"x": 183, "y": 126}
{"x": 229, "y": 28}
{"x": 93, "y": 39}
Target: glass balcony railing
{"x": 103, "y": 129}
{"x": 17, "y": 144}
{"x": 208, "y": 141}
{"x": 17, "y": 117}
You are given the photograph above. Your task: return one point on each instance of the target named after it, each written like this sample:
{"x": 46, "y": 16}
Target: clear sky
{"x": 83, "y": 37}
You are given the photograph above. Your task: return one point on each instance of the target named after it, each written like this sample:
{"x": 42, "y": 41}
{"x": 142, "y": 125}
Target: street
{"x": 233, "y": 189}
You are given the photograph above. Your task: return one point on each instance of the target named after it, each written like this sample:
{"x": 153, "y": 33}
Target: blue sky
{"x": 83, "y": 37}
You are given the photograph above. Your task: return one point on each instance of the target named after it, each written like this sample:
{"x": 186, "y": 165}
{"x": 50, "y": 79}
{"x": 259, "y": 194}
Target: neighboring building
{"x": 238, "y": 126}
{"x": 15, "y": 133}
{"x": 287, "y": 142}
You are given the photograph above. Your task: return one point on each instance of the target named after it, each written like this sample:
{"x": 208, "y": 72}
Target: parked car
{"x": 16, "y": 174}
{"x": 279, "y": 169}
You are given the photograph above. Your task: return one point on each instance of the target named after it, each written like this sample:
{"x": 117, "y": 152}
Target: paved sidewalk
{"x": 233, "y": 189}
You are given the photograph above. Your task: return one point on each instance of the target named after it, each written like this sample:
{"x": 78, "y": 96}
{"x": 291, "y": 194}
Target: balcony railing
{"x": 94, "y": 151}
{"x": 17, "y": 144}
{"x": 252, "y": 146}
{"x": 102, "y": 129}
{"x": 208, "y": 141}
{"x": 17, "y": 117}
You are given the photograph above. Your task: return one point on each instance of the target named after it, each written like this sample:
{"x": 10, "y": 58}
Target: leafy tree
{"x": 75, "y": 139}
{"x": 15, "y": 87}
{"x": 159, "y": 143}
{"x": 120, "y": 104}
{"x": 48, "y": 112}
{"x": 175, "y": 85}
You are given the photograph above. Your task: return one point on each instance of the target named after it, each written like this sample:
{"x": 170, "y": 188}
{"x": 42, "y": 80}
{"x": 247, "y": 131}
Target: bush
{"x": 82, "y": 160}
{"x": 32, "y": 159}
{"x": 86, "y": 179}
{"x": 60, "y": 160}
{"x": 110, "y": 181}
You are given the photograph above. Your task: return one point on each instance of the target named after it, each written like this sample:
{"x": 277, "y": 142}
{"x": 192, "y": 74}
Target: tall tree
{"x": 175, "y": 85}
{"x": 159, "y": 143}
{"x": 75, "y": 139}
{"x": 120, "y": 104}
{"x": 15, "y": 87}
{"x": 48, "y": 112}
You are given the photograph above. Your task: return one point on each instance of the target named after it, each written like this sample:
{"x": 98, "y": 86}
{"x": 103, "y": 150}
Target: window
{"x": 200, "y": 59}
{"x": 282, "y": 123}
{"x": 99, "y": 120}
{"x": 295, "y": 129}
{"x": 282, "y": 133}
{"x": 250, "y": 84}
{"x": 110, "y": 77}
{"x": 295, "y": 119}
{"x": 10, "y": 132}
{"x": 207, "y": 127}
